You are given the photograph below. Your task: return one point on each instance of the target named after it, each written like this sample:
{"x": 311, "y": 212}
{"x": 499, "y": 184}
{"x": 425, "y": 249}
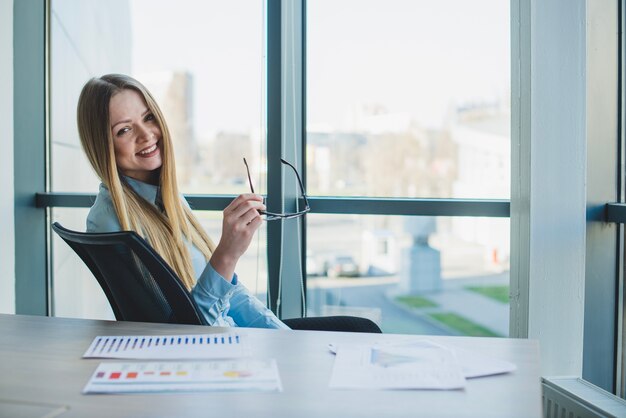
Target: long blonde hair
{"x": 166, "y": 231}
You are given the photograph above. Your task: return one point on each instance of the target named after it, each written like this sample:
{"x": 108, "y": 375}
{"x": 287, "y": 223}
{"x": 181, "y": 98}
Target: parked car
{"x": 312, "y": 266}
{"x": 341, "y": 266}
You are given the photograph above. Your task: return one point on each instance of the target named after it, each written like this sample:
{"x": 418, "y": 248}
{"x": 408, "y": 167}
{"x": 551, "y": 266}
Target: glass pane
{"x": 208, "y": 76}
{"x": 204, "y": 63}
{"x": 77, "y": 293}
{"x": 410, "y": 274}
{"x": 79, "y": 50}
{"x": 419, "y": 89}
{"x": 202, "y": 60}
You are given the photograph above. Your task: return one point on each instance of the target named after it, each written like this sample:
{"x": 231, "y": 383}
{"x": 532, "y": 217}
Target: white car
{"x": 341, "y": 266}
{"x": 312, "y": 266}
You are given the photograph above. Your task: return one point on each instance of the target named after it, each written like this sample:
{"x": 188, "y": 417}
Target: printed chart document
{"x": 222, "y": 375}
{"x": 165, "y": 347}
{"x": 417, "y": 365}
{"x": 473, "y": 364}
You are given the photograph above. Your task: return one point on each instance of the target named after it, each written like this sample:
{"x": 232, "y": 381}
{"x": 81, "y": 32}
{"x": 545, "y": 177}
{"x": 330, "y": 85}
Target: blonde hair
{"x": 166, "y": 231}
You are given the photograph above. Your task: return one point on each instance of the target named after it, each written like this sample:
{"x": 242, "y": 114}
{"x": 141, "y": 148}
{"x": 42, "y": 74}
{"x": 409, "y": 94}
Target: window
{"x": 383, "y": 122}
{"x": 204, "y": 63}
{"x": 432, "y": 275}
{"x": 409, "y": 100}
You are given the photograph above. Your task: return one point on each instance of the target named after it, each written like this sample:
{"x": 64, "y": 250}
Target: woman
{"x": 126, "y": 139}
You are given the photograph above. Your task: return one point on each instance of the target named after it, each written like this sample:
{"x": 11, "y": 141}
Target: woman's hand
{"x": 241, "y": 220}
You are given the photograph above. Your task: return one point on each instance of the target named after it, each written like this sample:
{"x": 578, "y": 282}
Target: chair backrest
{"x": 138, "y": 283}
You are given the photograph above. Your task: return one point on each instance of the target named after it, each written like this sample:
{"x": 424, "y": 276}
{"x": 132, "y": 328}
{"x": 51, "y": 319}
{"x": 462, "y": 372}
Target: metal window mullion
{"x": 620, "y": 360}
{"x": 302, "y": 142}
{"x": 520, "y": 167}
{"x": 31, "y": 285}
{"x": 48, "y": 154}
{"x": 602, "y": 185}
{"x": 620, "y": 375}
{"x": 273, "y": 111}
{"x": 292, "y": 280}
{"x": 490, "y": 208}
{"x": 284, "y": 138}
{"x": 410, "y": 207}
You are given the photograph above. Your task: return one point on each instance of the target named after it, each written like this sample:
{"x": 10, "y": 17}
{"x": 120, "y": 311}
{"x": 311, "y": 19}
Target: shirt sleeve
{"x": 248, "y": 311}
{"x": 219, "y": 299}
{"x": 212, "y": 294}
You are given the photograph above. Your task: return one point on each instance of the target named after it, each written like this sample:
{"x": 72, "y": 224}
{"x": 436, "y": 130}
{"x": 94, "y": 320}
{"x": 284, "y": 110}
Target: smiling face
{"x": 136, "y": 136}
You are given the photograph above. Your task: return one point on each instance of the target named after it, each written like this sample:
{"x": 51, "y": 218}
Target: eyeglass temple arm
{"x": 249, "y": 178}
{"x": 306, "y": 201}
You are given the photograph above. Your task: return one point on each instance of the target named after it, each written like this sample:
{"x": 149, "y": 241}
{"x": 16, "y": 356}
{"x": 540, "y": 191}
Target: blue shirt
{"x": 222, "y": 303}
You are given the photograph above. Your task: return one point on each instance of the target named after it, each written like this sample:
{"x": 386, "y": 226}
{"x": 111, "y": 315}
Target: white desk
{"x": 41, "y": 370}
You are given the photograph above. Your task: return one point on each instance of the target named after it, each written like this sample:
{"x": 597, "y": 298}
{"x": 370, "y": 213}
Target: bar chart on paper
{"x": 198, "y": 346}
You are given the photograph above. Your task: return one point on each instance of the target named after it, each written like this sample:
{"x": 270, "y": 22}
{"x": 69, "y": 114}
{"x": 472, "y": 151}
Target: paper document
{"x": 473, "y": 364}
{"x": 416, "y": 365}
{"x": 199, "y": 346}
{"x": 222, "y": 375}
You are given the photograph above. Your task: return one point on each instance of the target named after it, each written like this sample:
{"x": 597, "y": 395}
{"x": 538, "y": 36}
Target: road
{"x": 394, "y": 319}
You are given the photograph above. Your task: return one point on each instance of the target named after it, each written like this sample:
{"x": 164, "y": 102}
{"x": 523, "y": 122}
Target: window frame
{"x": 286, "y": 23}
{"x": 604, "y": 253}
{"x": 31, "y": 38}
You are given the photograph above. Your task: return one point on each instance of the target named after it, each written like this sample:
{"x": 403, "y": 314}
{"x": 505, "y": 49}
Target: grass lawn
{"x": 463, "y": 325}
{"x": 416, "y": 302}
{"x": 499, "y": 293}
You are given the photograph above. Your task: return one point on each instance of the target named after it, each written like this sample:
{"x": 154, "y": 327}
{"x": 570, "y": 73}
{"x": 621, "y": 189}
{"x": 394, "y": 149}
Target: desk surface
{"x": 41, "y": 369}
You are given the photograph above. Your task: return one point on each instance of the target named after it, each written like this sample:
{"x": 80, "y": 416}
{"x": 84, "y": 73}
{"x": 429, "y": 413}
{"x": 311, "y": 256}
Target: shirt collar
{"x": 145, "y": 190}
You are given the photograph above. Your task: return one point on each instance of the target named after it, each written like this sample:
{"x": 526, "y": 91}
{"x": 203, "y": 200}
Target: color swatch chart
{"x": 224, "y": 375}
{"x": 162, "y": 347}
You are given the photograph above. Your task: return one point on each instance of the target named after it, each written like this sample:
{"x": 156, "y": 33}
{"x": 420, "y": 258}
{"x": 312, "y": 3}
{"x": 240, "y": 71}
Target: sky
{"x": 409, "y": 56}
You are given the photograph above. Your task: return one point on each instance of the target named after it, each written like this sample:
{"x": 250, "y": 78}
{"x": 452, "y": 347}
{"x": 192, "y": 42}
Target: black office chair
{"x": 142, "y": 287}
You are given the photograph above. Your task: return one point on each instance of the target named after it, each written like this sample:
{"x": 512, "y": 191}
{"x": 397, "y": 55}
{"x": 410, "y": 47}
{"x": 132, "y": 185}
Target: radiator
{"x": 571, "y": 397}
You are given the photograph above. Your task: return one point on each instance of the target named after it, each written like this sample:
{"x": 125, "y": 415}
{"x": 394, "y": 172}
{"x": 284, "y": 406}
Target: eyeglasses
{"x": 271, "y": 216}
